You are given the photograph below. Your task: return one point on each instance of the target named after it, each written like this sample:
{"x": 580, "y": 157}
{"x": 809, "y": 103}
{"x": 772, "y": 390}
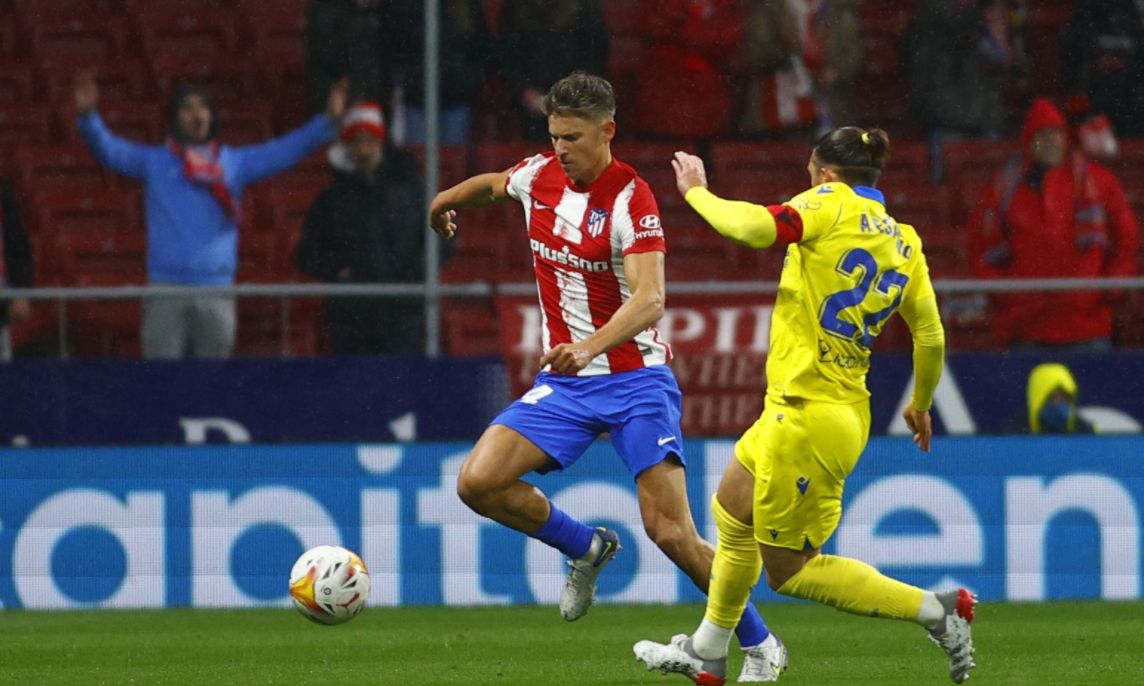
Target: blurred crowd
{"x": 1061, "y": 103}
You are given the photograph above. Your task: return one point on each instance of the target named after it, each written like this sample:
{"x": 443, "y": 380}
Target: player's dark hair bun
{"x": 858, "y": 155}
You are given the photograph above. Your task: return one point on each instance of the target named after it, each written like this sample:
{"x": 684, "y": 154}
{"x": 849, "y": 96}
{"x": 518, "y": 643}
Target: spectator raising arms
{"x": 1051, "y": 212}
{"x": 192, "y": 195}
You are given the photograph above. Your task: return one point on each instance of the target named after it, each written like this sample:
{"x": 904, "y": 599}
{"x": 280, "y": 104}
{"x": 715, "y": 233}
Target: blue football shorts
{"x": 640, "y": 409}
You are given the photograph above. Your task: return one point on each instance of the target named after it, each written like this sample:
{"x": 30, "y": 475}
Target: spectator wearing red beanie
{"x": 1051, "y": 212}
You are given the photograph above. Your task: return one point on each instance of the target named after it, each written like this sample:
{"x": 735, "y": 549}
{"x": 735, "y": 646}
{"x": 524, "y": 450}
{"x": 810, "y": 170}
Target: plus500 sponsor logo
{"x": 568, "y": 258}
{"x": 151, "y": 535}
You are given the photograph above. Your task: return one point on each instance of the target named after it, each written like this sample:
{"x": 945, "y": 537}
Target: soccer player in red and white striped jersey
{"x": 598, "y": 254}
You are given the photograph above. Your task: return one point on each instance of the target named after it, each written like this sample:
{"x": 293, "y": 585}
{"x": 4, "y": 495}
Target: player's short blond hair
{"x": 581, "y": 95}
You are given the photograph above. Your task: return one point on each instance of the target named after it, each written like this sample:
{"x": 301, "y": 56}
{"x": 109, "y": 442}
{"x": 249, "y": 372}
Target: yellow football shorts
{"x": 800, "y": 453}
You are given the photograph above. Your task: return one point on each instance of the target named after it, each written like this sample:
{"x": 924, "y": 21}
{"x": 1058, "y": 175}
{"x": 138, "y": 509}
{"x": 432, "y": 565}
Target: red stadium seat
{"x": 7, "y": 32}
{"x": 260, "y": 258}
{"x": 1046, "y": 21}
{"x": 260, "y": 8}
{"x": 280, "y": 211}
{"x": 141, "y": 122}
{"x": 1128, "y": 321}
{"x": 227, "y": 80}
{"x": 278, "y": 33}
{"x": 261, "y": 333}
{"x": 186, "y": 30}
{"x": 58, "y": 167}
{"x": 104, "y": 328}
{"x": 762, "y": 188}
{"x": 30, "y": 10}
{"x": 759, "y": 161}
{"x": 98, "y": 257}
{"x": 454, "y": 163}
{"x": 907, "y": 169}
{"x": 976, "y": 162}
{"x": 244, "y": 123}
{"x": 281, "y": 207}
{"x": 24, "y": 124}
{"x": 97, "y": 212}
{"x": 17, "y": 81}
{"x": 921, "y": 207}
{"x": 497, "y": 156}
{"x": 470, "y": 328}
{"x": 490, "y": 246}
{"x": 493, "y": 12}
{"x": 120, "y": 80}
{"x": 314, "y": 171}
{"x": 652, "y": 161}
{"x": 91, "y": 36}
{"x": 696, "y": 253}
{"x": 623, "y": 16}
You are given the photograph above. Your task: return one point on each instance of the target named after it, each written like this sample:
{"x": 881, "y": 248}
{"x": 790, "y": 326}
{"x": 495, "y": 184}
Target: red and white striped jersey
{"x": 579, "y": 236}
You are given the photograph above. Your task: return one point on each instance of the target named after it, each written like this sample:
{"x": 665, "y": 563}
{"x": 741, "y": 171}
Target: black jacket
{"x": 18, "y": 265}
{"x": 366, "y": 231}
{"x": 375, "y": 228}
{"x": 343, "y": 39}
{"x": 465, "y": 55}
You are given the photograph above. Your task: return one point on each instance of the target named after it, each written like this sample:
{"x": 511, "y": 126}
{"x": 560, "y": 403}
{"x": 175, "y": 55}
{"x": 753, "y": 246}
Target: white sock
{"x": 710, "y": 640}
{"x": 931, "y": 611}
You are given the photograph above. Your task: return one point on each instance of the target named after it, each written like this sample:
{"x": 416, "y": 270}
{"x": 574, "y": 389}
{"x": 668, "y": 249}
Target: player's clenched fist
{"x": 566, "y": 358}
{"x": 442, "y": 223}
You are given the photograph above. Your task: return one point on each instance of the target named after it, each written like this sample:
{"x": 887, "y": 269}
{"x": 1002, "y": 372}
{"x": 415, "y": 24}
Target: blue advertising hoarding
{"x": 123, "y": 402}
{"x": 351, "y": 399}
{"x": 219, "y": 526}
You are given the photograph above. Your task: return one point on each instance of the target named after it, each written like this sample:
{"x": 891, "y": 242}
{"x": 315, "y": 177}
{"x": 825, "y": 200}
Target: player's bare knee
{"x": 776, "y": 579}
{"x": 476, "y": 489}
{"x": 668, "y": 535}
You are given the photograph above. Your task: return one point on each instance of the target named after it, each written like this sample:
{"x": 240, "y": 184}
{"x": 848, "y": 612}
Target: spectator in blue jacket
{"x": 192, "y": 195}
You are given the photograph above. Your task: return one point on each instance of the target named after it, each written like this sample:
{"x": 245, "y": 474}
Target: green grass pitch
{"x": 1017, "y": 644}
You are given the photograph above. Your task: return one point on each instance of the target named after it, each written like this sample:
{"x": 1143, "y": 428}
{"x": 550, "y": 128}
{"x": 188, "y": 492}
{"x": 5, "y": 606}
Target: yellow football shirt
{"x": 852, "y": 269}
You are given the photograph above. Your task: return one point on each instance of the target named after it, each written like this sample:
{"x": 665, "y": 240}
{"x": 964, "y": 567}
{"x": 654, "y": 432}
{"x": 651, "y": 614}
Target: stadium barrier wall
{"x": 1014, "y": 518}
{"x": 376, "y": 399}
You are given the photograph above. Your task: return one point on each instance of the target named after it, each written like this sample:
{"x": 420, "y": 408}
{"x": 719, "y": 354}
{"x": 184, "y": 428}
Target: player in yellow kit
{"x": 849, "y": 266}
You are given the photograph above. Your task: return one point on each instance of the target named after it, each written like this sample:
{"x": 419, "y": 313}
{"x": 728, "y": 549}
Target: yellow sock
{"x": 855, "y": 587}
{"x": 735, "y": 570}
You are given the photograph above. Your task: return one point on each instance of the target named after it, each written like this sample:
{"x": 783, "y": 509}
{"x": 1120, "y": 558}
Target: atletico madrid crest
{"x": 596, "y": 220}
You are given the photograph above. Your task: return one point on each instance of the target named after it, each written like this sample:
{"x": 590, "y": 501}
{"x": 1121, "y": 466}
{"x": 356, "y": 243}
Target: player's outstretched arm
{"x": 476, "y": 191}
{"x": 743, "y": 222}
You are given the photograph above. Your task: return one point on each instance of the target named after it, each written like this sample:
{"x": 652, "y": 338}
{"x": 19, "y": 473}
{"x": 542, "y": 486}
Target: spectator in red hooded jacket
{"x": 1052, "y": 212}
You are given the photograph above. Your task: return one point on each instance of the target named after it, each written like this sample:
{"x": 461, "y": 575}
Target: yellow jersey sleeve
{"x": 920, "y": 311}
{"x": 742, "y": 222}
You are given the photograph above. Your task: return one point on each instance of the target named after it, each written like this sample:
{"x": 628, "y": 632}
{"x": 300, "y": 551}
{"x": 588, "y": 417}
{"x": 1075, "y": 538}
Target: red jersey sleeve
{"x": 637, "y": 222}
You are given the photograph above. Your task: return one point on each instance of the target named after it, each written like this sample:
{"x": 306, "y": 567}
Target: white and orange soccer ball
{"x": 329, "y": 584}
